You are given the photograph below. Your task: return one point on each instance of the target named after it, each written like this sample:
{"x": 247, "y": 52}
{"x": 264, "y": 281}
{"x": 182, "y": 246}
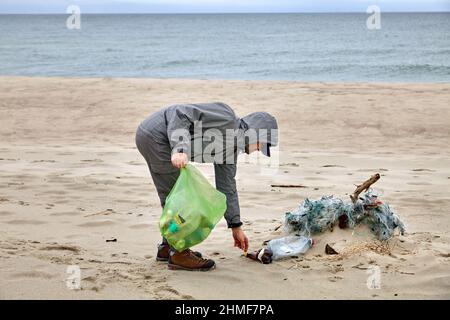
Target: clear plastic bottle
{"x": 289, "y": 246}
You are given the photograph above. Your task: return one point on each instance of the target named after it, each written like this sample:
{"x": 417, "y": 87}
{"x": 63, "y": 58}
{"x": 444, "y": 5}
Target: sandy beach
{"x": 71, "y": 178}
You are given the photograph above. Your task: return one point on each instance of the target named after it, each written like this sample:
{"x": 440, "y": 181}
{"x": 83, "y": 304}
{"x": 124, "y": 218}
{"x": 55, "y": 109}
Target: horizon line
{"x": 237, "y": 12}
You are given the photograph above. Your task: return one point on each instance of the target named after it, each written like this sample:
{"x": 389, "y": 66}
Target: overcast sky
{"x": 188, "y": 6}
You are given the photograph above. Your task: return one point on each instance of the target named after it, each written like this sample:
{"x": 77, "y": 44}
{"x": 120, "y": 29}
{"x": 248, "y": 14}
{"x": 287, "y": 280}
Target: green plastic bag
{"x": 193, "y": 208}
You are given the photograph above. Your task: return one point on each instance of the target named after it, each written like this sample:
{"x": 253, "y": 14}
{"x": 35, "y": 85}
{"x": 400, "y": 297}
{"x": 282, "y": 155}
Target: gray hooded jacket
{"x": 195, "y": 128}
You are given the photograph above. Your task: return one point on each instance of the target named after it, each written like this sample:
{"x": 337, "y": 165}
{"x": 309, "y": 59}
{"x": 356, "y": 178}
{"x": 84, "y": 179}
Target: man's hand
{"x": 240, "y": 239}
{"x": 179, "y": 160}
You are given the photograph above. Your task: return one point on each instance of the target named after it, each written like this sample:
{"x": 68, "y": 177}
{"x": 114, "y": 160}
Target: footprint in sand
{"x": 101, "y": 213}
{"x": 101, "y": 223}
{"x": 140, "y": 226}
{"x": 60, "y": 248}
{"x": 335, "y": 278}
{"x": 315, "y": 178}
{"x": 419, "y": 183}
{"x": 167, "y": 292}
{"x": 90, "y": 279}
{"x": 135, "y": 163}
{"x": 90, "y": 283}
{"x": 65, "y": 213}
{"x": 107, "y": 153}
{"x": 25, "y": 222}
{"x": 292, "y": 164}
{"x": 96, "y": 288}
{"x": 37, "y": 161}
{"x": 55, "y": 192}
{"x": 63, "y": 201}
{"x": 92, "y": 160}
{"x": 32, "y": 274}
{"x": 333, "y": 166}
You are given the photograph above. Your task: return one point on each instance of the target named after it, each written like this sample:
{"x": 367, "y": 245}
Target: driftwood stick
{"x": 278, "y": 227}
{"x": 287, "y": 186}
{"x": 364, "y": 187}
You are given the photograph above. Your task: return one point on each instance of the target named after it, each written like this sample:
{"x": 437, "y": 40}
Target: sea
{"x": 329, "y": 47}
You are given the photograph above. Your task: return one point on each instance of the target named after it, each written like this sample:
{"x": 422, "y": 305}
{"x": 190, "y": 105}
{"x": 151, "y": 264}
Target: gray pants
{"x": 157, "y": 155}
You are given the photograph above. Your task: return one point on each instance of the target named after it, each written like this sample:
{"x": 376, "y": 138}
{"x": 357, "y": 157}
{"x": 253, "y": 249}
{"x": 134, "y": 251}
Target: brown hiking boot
{"x": 187, "y": 260}
{"x": 163, "y": 252}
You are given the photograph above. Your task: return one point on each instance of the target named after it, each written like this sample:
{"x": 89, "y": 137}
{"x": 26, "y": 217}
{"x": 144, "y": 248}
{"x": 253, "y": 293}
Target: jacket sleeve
{"x": 179, "y": 120}
{"x": 226, "y": 183}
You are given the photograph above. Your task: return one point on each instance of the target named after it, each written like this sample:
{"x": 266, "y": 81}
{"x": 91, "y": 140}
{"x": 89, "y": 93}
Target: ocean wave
{"x": 182, "y": 62}
{"x": 363, "y": 51}
{"x": 418, "y": 68}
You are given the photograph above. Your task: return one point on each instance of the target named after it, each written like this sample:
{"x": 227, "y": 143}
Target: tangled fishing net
{"x": 316, "y": 216}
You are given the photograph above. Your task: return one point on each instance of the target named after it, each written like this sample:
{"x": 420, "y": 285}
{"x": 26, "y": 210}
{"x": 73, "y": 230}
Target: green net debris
{"x": 192, "y": 210}
{"x": 317, "y": 216}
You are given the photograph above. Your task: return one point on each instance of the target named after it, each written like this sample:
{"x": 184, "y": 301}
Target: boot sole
{"x": 176, "y": 267}
{"x": 167, "y": 259}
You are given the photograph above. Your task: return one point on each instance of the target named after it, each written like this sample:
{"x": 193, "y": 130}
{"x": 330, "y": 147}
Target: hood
{"x": 266, "y": 128}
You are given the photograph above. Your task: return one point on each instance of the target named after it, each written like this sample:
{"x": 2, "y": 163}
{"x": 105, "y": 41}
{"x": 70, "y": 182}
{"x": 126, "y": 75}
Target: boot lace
{"x": 193, "y": 255}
